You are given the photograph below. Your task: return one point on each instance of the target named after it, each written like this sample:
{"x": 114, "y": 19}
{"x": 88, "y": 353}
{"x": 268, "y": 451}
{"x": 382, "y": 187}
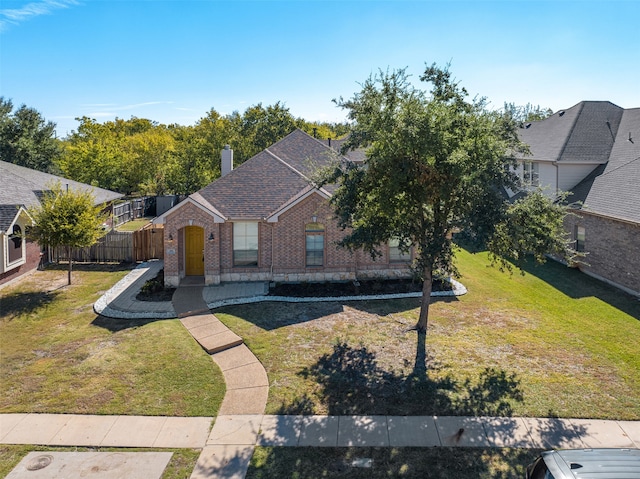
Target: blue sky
{"x": 172, "y": 61}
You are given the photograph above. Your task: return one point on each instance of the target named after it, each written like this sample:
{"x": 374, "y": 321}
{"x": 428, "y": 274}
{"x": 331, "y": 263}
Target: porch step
{"x": 210, "y": 333}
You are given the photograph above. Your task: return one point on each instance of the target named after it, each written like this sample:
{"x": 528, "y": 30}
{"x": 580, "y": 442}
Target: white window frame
{"x": 7, "y": 246}
{"x": 530, "y": 174}
{"x": 246, "y": 239}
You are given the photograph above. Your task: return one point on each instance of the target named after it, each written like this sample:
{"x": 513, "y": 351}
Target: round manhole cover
{"x": 39, "y": 462}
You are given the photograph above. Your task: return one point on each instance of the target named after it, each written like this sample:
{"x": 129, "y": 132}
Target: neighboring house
{"x": 265, "y": 221}
{"x": 21, "y": 188}
{"x": 593, "y": 151}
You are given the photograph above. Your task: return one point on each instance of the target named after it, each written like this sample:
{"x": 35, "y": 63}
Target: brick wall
{"x": 32, "y": 251}
{"x": 613, "y": 249}
{"x": 282, "y": 249}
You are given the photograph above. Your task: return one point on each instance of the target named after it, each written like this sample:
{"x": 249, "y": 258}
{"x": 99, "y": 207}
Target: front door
{"x": 194, "y": 250}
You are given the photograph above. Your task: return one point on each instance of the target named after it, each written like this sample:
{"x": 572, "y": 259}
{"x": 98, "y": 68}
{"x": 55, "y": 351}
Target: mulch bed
{"x": 352, "y": 288}
{"x": 154, "y": 290}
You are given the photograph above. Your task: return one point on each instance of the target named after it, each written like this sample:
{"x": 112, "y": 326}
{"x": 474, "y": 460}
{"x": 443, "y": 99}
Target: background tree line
{"x": 141, "y": 156}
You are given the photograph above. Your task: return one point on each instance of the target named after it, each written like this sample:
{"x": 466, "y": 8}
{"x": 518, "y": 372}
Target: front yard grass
{"x": 407, "y": 462}
{"x": 554, "y": 342}
{"x": 59, "y": 357}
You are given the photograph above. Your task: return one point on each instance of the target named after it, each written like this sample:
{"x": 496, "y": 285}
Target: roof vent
{"x": 528, "y": 125}
{"x": 561, "y": 112}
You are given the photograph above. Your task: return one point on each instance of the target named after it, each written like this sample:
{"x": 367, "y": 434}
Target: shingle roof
{"x": 24, "y": 187}
{"x": 583, "y": 133}
{"x": 614, "y": 190}
{"x": 262, "y": 184}
{"x": 8, "y": 213}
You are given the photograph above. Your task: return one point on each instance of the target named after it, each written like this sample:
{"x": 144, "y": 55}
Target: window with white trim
{"x": 395, "y": 254}
{"x": 314, "y": 244}
{"x": 530, "y": 173}
{"x": 15, "y": 246}
{"x": 245, "y": 244}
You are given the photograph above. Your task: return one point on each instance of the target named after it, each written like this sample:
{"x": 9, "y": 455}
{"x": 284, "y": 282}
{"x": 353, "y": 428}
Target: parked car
{"x": 586, "y": 463}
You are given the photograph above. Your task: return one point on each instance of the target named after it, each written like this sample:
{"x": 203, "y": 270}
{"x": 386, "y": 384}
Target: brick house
{"x": 593, "y": 151}
{"x": 265, "y": 221}
{"x": 22, "y": 189}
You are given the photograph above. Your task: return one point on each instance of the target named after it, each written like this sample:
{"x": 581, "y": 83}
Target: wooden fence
{"x": 117, "y": 246}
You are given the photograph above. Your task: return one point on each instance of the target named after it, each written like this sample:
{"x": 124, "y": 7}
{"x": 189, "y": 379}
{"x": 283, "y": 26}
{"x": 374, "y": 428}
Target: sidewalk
{"x": 315, "y": 431}
{"x": 228, "y": 445}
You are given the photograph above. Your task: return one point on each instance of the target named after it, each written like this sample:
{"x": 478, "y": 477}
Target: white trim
{"x": 197, "y": 200}
{"x": 273, "y": 218}
{"x": 21, "y": 212}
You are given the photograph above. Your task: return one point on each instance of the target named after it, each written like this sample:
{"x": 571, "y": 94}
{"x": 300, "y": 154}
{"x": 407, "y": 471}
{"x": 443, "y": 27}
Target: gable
{"x": 583, "y": 133}
{"x": 614, "y": 190}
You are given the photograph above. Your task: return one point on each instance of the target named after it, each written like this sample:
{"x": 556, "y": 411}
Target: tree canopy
{"x": 142, "y": 156}
{"x": 436, "y": 164}
{"x": 26, "y": 139}
{"x": 66, "y": 218}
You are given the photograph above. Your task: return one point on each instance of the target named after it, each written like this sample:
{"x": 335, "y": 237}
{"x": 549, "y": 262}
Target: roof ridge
{"x": 286, "y": 164}
{"x": 571, "y": 130}
{"x": 620, "y": 166}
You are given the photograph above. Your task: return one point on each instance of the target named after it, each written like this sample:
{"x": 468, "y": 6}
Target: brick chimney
{"x": 226, "y": 163}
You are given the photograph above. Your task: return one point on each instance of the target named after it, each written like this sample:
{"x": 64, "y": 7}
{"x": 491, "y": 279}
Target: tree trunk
{"x": 427, "y": 286}
{"x": 70, "y": 264}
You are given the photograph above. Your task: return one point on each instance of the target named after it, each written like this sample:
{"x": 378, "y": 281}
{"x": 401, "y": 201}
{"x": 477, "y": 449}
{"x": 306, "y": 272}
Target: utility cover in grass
{"x": 103, "y": 465}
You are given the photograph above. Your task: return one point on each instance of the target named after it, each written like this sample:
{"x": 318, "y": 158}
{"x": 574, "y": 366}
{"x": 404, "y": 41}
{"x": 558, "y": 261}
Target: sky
{"x": 172, "y": 61}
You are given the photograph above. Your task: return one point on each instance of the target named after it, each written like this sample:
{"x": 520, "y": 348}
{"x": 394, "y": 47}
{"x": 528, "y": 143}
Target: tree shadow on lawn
{"x": 406, "y": 462}
{"x": 352, "y": 383}
{"x": 576, "y": 284}
{"x": 273, "y": 315}
{"x": 17, "y": 304}
{"x": 115, "y": 325}
{"x": 91, "y": 267}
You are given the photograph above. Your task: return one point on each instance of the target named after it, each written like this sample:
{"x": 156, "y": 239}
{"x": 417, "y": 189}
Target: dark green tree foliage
{"x": 26, "y": 139}
{"x": 436, "y": 164}
{"x": 66, "y": 218}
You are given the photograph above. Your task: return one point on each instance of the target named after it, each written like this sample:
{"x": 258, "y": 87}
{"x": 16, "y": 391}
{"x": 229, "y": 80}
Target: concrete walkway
{"x": 241, "y": 424}
{"x": 245, "y": 377}
{"x": 231, "y": 432}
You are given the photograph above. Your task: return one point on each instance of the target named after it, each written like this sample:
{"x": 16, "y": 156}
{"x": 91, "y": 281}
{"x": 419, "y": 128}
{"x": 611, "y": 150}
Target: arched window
{"x": 314, "y": 233}
{"x": 15, "y": 245}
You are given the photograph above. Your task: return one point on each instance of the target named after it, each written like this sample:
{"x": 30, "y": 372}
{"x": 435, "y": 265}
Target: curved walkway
{"x": 225, "y": 455}
{"x": 241, "y": 423}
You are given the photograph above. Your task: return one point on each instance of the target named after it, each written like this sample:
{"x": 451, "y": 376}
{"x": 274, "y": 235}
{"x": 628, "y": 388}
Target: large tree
{"x": 436, "y": 164}
{"x": 66, "y": 218}
{"x": 26, "y": 138}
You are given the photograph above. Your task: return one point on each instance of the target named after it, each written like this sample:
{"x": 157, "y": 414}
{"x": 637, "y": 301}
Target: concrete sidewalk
{"x": 315, "y": 431}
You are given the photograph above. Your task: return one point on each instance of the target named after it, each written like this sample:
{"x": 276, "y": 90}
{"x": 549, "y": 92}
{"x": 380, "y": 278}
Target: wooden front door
{"x": 194, "y": 251}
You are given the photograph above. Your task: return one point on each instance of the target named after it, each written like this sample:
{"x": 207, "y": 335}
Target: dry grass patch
{"x": 62, "y": 358}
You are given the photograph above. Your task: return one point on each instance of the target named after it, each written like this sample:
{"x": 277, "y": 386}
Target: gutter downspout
{"x": 555, "y": 163}
{"x": 272, "y": 224}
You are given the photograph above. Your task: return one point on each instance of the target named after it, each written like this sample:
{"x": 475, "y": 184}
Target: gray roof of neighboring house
{"x": 261, "y": 185}
{"x": 583, "y": 133}
{"x": 614, "y": 189}
{"x": 23, "y": 187}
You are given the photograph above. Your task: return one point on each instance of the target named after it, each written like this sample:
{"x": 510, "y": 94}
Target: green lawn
{"x": 133, "y": 225}
{"x": 59, "y": 357}
{"x": 554, "y": 342}
{"x": 407, "y": 463}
